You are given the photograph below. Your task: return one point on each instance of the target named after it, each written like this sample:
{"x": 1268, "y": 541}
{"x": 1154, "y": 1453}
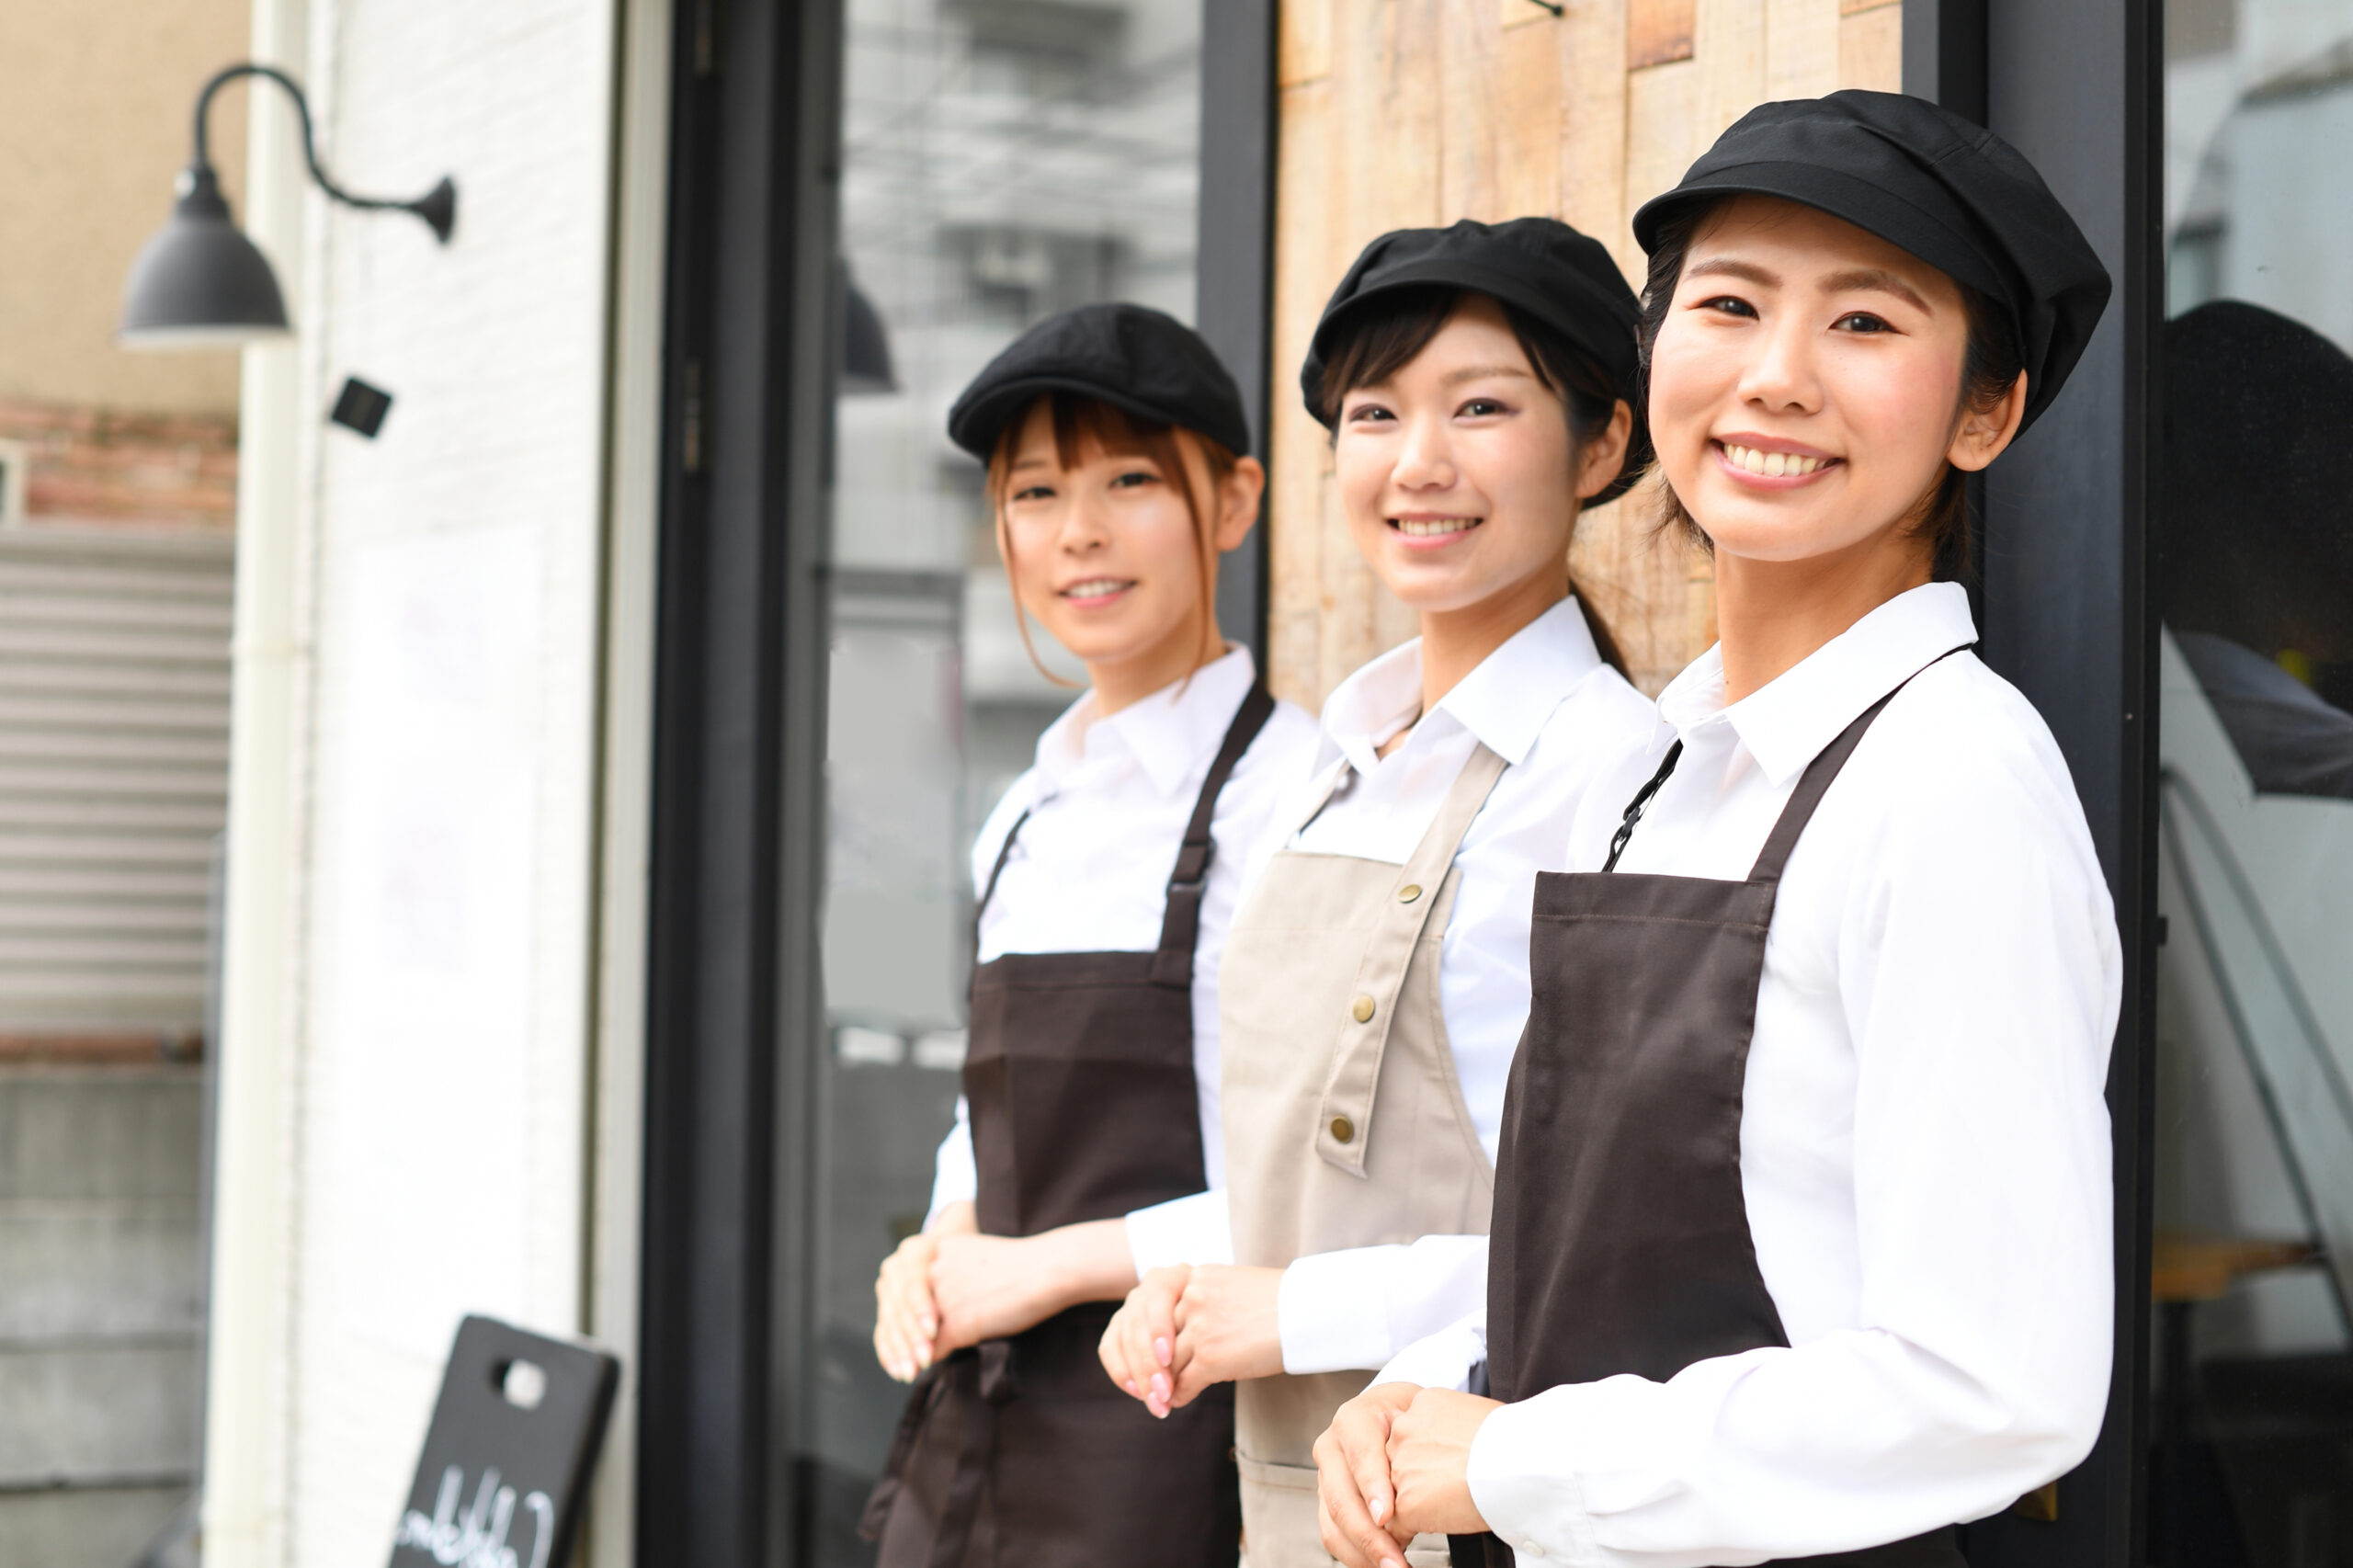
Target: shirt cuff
{"x": 1447, "y": 1360}
{"x": 1331, "y": 1312}
{"x": 955, "y": 1177}
{"x": 1194, "y": 1229}
{"x": 1528, "y": 1497}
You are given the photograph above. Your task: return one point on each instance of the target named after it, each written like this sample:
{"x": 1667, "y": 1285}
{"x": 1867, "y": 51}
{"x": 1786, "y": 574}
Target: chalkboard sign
{"x": 506, "y": 1462}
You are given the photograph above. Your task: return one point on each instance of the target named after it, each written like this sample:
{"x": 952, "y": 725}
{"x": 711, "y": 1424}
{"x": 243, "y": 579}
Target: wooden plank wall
{"x": 1405, "y": 113}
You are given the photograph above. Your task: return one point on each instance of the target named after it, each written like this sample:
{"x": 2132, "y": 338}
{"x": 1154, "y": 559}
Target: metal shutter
{"x": 114, "y": 752}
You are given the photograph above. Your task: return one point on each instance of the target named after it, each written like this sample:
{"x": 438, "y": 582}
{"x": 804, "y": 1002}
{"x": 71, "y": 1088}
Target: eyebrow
{"x": 1874, "y": 278}
{"x": 1877, "y": 278}
{"x": 1478, "y": 373}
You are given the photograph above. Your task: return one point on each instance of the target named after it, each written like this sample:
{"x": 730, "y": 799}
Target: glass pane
{"x": 1002, "y": 160}
{"x": 2254, "y": 1460}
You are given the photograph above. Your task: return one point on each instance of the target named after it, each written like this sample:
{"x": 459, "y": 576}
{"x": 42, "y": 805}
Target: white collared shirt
{"x": 1548, "y": 706}
{"x": 1924, "y": 1144}
{"x": 1108, "y": 800}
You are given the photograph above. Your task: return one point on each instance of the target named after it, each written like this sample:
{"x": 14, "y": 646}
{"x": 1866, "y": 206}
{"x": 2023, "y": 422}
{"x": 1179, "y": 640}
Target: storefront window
{"x": 2254, "y": 1197}
{"x": 1002, "y": 160}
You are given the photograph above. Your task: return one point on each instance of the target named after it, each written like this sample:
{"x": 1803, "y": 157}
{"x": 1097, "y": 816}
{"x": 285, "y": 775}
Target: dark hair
{"x": 1381, "y": 336}
{"x": 1990, "y": 367}
{"x": 1080, "y": 421}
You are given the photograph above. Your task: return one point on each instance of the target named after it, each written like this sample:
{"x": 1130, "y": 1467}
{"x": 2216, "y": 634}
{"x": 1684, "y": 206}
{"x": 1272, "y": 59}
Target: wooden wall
{"x": 1406, "y": 113}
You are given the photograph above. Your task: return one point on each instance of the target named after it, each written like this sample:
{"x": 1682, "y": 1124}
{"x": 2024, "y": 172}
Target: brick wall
{"x": 86, "y": 464}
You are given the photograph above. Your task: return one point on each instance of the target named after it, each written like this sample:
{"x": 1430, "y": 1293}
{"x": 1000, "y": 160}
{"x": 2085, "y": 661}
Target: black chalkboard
{"x": 506, "y": 1460}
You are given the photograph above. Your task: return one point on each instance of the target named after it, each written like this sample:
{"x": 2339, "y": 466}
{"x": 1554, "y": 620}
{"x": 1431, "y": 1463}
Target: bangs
{"x": 1082, "y": 426}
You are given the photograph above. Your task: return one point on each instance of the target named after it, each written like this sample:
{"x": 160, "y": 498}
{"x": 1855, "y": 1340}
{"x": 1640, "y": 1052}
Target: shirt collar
{"x": 1171, "y": 735}
{"x": 1786, "y": 724}
{"x": 1504, "y": 702}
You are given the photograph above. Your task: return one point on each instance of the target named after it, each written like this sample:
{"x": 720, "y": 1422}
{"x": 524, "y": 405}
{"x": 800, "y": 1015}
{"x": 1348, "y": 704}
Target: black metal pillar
{"x": 2068, "y": 615}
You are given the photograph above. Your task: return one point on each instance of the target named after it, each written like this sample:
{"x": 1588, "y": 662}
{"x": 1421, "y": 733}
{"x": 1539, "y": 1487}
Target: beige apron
{"x": 1345, "y": 1125}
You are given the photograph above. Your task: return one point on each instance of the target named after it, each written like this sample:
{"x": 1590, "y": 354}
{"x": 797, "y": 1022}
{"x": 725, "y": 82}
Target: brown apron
{"x": 1345, "y": 1125}
{"x": 1621, "y": 1240}
{"x": 1080, "y": 1083}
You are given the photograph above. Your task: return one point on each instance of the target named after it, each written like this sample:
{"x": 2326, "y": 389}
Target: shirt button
{"x": 1409, "y": 892}
{"x": 1361, "y": 1008}
{"x": 1530, "y": 1551}
{"x": 1343, "y": 1130}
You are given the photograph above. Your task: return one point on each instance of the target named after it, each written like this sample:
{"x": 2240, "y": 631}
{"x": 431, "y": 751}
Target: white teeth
{"x": 1771, "y": 465}
{"x": 1421, "y": 528}
{"x": 1093, "y": 588}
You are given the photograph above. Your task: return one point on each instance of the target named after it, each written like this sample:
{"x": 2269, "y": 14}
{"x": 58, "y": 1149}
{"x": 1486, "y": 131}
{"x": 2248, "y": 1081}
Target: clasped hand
{"x": 1185, "y": 1328}
{"x": 1394, "y": 1464}
{"x": 951, "y": 1287}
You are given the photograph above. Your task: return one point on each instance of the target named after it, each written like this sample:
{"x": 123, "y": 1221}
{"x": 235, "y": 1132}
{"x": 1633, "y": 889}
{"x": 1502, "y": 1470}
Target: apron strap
{"x": 1344, "y": 1125}
{"x": 1004, "y": 853}
{"x": 1180, "y": 923}
{"x": 1816, "y": 780}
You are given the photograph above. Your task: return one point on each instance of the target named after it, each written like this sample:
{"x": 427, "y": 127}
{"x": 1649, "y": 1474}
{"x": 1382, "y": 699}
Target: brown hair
{"x": 1383, "y": 335}
{"x": 1990, "y": 365}
{"x": 1080, "y": 421}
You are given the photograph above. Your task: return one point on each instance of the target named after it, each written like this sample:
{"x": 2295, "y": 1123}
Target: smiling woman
{"x": 1802, "y": 1227}
{"x": 1894, "y": 285}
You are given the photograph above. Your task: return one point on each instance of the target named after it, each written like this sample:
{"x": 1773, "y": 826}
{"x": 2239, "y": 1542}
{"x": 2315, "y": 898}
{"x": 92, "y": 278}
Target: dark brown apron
{"x": 1620, "y": 1231}
{"x": 1080, "y": 1085}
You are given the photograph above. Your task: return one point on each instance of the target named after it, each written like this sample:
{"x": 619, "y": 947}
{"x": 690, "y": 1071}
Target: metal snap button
{"x": 1361, "y": 1008}
{"x": 1343, "y": 1130}
{"x": 1409, "y": 892}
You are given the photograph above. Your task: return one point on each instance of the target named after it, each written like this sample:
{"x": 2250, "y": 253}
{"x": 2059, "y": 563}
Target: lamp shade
{"x": 199, "y": 283}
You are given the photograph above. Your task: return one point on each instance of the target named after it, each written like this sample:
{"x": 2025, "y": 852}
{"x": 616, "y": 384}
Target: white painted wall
{"x": 417, "y": 1136}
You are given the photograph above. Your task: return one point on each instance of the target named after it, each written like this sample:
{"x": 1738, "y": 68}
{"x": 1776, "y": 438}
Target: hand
{"x": 990, "y": 1287}
{"x": 1429, "y": 1462}
{"x": 1138, "y": 1348}
{"x": 1227, "y": 1329}
{"x": 1354, "y": 1499}
{"x": 906, "y": 1318}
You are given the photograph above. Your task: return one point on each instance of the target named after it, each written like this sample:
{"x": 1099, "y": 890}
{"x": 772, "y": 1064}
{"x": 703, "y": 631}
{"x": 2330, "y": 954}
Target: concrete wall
{"x": 1407, "y": 113}
{"x": 100, "y": 1310}
{"x": 406, "y": 1111}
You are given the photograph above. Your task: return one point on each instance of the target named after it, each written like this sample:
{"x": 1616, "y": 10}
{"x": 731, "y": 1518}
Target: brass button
{"x": 1343, "y": 1130}
{"x": 1409, "y": 892}
{"x": 1361, "y": 1008}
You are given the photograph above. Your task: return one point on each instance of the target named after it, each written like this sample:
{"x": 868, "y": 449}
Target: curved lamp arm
{"x": 438, "y": 207}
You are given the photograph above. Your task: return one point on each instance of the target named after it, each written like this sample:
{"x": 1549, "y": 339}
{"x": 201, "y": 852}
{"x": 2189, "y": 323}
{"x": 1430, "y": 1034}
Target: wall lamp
{"x": 199, "y": 283}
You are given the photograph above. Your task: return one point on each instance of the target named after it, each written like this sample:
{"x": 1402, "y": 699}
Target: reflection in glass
{"x": 2254, "y": 1200}
{"x": 1002, "y": 160}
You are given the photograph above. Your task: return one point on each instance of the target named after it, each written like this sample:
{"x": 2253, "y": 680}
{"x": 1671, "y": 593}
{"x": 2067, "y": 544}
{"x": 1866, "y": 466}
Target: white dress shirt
{"x": 1550, "y": 708}
{"x": 1109, "y": 799}
{"x": 1924, "y": 1144}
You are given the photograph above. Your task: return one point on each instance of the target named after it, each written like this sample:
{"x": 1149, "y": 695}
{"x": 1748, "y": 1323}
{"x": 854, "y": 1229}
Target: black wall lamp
{"x": 199, "y": 283}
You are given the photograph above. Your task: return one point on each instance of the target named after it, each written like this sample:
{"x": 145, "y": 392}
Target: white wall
{"x": 430, "y": 1109}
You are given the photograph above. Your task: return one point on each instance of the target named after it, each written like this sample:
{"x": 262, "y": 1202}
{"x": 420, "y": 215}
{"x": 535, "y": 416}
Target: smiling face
{"x": 1805, "y": 386}
{"x": 1106, "y": 552}
{"x": 1459, "y": 474}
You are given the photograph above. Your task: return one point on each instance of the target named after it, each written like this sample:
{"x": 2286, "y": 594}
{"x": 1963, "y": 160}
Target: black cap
{"x": 1541, "y": 266}
{"x": 1927, "y": 181}
{"x": 1138, "y": 359}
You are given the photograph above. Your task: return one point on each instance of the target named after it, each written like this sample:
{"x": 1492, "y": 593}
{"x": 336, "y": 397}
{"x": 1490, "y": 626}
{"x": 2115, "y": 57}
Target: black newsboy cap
{"x": 1926, "y": 180}
{"x": 1138, "y": 359}
{"x": 1537, "y": 265}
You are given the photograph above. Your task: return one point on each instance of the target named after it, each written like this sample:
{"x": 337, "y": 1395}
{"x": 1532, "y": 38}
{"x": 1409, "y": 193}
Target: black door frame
{"x": 2068, "y": 614}
{"x": 735, "y": 1010}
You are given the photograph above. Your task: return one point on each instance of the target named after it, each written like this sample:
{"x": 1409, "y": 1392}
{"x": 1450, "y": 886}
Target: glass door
{"x": 1000, "y": 160}
{"x": 2252, "y": 1434}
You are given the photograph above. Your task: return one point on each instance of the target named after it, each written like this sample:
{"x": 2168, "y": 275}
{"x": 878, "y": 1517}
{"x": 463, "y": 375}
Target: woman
{"x": 1107, "y": 875}
{"x": 1479, "y": 384}
{"x": 1802, "y": 1245}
